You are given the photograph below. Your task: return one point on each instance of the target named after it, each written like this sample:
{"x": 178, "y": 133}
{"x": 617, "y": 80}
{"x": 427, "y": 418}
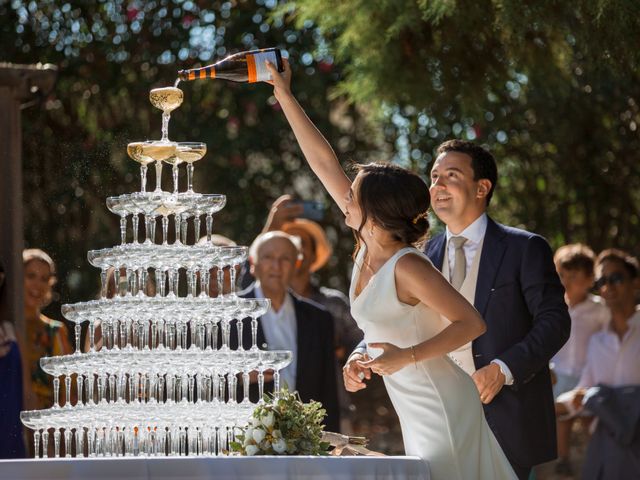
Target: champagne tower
{"x": 163, "y": 378}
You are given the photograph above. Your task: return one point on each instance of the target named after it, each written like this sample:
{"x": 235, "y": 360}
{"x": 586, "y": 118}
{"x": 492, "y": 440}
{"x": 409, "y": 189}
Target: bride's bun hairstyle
{"x": 396, "y": 199}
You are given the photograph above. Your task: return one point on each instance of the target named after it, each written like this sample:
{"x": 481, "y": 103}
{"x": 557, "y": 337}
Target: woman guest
{"x": 45, "y": 337}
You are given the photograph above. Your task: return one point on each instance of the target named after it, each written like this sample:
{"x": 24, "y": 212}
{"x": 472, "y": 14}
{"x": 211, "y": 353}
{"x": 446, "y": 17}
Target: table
{"x": 241, "y": 468}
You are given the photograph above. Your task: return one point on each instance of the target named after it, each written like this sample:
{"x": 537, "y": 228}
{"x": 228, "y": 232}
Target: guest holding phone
{"x": 296, "y": 218}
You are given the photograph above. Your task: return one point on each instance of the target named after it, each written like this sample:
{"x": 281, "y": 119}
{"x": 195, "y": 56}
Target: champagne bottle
{"x": 241, "y": 67}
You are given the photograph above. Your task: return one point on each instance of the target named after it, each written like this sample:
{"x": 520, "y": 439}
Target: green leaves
{"x": 110, "y": 54}
{"x": 284, "y": 426}
{"x": 552, "y": 88}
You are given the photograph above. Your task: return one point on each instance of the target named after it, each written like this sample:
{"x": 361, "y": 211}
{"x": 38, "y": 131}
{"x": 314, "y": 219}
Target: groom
{"x": 509, "y": 276}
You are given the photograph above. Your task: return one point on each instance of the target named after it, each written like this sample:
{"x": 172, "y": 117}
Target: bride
{"x": 398, "y": 298}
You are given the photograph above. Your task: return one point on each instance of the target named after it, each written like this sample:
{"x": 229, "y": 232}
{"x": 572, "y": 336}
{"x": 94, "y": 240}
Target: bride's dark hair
{"x": 396, "y": 199}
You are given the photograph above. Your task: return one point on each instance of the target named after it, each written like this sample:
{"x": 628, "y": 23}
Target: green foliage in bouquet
{"x": 284, "y": 426}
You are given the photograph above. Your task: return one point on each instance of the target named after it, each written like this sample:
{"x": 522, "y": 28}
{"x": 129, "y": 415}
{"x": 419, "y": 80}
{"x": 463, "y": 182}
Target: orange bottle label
{"x": 251, "y": 68}
{"x": 259, "y": 59}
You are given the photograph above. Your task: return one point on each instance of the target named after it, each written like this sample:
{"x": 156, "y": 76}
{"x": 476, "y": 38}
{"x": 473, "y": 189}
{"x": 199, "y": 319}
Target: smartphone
{"x": 312, "y": 210}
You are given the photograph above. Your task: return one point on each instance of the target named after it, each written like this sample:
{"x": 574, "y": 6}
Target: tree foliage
{"x": 550, "y": 87}
{"x": 109, "y": 55}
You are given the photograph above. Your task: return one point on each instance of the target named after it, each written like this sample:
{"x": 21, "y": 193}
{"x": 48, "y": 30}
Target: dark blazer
{"x": 614, "y": 448}
{"x": 316, "y": 370}
{"x": 521, "y": 299}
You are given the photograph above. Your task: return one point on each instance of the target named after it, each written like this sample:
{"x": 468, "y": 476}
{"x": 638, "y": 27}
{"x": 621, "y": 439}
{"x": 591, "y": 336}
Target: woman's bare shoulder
{"x": 415, "y": 263}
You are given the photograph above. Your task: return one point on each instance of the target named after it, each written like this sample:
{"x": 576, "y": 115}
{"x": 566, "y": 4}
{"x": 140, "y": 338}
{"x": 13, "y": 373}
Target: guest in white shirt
{"x": 575, "y": 264}
{"x": 292, "y": 323}
{"x": 613, "y": 353}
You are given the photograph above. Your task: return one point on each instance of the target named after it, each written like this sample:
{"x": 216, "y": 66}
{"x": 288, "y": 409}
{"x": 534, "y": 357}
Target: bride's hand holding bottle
{"x": 281, "y": 81}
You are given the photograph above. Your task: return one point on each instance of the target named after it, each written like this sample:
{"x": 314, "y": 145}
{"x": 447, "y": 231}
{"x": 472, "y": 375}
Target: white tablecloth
{"x": 242, "y": 468}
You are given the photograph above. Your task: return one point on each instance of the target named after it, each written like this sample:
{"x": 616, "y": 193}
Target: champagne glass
{"x": 174, "y": 160}
{"x": 160, "y": 151}
{"x": 121, "y": 206}
{"x": 279, "y": 360}
{"x": 166, "y": 99}
{"x": 136, "y": 152}
{"x": 232, "y": 256}
{"x": 254, "y": 309}
{"x": 164, "y": 212}
{"x": 210, "y": 204}
{"x": 149, "y": 205}
{"x": 175, "y": 205}
{"x": 190, "y": 152}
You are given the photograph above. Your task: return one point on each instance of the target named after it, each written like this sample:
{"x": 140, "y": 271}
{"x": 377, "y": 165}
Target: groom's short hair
{"x": 483, "y": 164}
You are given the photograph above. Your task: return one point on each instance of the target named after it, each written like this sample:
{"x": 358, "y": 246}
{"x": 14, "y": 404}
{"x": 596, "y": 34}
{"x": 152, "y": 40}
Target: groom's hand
{"x": 489, "y": 380}
{"x": 354, "y": 375}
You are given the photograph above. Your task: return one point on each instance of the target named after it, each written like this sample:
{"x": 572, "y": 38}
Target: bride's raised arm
{"x": 319, "y": 154}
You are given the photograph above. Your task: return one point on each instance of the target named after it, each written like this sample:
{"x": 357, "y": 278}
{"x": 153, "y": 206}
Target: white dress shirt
{"x": 474, "y": 234}
{"x": 612, "y": 361}
{"x": 587, "y": 318}
{"x": 281, "y": 333}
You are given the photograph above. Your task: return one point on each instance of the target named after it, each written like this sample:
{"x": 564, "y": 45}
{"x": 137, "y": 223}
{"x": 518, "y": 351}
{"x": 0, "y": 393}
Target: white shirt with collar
{"x": 587, "y": 318}
{"x": 281, "y": 333}
{"x": 474, "y": 233}
{"x": 612, "y": 361}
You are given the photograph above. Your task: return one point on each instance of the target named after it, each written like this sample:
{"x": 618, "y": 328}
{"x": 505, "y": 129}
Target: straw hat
{"x": 323, "y": 248}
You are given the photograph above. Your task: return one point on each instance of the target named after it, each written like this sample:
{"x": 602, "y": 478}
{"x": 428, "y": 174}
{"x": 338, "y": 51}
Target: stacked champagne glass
{"x": 164, "y": 378}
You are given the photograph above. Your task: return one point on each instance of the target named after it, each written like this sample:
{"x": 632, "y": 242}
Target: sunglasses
{"x": 613, "y": 279}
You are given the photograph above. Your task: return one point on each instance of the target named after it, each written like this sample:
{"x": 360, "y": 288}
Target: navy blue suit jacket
{"x": 521, "y": 299}
{"x": 316, "y": 370}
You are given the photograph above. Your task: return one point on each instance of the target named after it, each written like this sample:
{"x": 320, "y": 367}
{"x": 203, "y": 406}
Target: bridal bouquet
{"x": 284, "y": 426}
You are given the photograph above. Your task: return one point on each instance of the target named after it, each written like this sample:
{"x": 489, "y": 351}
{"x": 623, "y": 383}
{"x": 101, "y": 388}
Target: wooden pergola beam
{"x": 18, "y": 84}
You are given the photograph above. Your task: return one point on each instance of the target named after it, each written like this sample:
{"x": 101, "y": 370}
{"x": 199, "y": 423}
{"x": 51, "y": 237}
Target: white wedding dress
{"x": 438, "y": 404}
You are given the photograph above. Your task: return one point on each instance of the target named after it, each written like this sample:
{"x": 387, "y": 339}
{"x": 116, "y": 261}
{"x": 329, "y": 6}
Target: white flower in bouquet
{"x": 255, "y": 422}
{"x": 251, "y": 450}
{"x": 248, "y": 436}
{"x": 268, "y": 420}
{"x": 276, "y": 433}
{"x": 258, "y": 435}
{"x": 280, "y": 446}
{"x": 265, "y": 445}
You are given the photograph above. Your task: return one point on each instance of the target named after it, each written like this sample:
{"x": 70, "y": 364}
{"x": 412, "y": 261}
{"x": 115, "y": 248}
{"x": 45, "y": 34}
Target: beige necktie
{"x": 460, "y": 262}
